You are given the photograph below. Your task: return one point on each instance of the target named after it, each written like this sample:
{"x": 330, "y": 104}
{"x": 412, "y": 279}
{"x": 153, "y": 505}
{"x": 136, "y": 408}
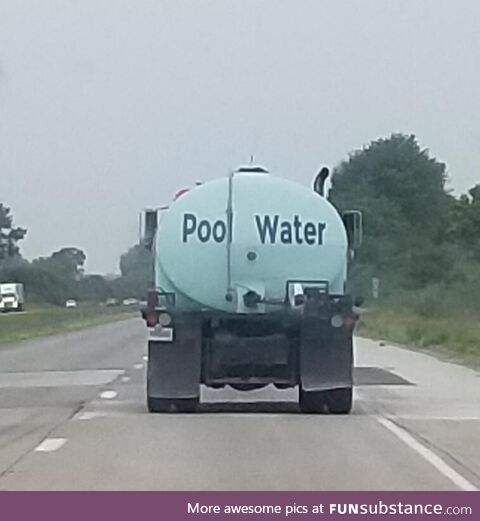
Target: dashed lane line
{"x": 108, "y": 395}
{"x": 51, "y": 444}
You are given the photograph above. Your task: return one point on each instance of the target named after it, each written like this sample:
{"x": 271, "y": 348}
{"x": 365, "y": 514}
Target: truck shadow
{"x": 268, "y": 408}
{"x": 362, "y": 376}
{"x": 249, "y": 407}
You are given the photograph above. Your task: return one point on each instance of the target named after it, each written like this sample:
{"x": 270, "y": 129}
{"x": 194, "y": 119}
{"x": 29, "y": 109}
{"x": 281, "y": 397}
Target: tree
{"x": 67, "y": 262}
{"x": 9, "y": 235}
{"x": 400, "y": 189}
{"x": 464, "y": 221}
{"x": 136, "y": 267}
{"x": 70, "y": 260}
{"x": 93, "y": 288}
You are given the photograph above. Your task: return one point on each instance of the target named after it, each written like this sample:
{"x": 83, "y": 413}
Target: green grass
{"x": 42, "y": 320}
{"x": 455, "y": 337}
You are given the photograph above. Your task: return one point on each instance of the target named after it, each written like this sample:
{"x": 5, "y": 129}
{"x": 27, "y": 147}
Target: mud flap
{"x": 326, "y": 356}
{"x": 173, "y": 371}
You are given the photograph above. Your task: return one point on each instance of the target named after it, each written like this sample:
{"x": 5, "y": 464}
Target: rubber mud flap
{"x": 173, "y": 371}
{"x": 326, "y": 356}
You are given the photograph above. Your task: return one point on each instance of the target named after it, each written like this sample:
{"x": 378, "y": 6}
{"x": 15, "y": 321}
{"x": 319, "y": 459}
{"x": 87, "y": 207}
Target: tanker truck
{"x": 250, "y": 290}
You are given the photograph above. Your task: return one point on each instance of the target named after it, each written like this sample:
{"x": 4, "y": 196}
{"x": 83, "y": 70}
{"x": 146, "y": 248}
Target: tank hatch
{"x": 252, "y": 169}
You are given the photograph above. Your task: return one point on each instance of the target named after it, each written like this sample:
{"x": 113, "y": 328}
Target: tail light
{"x": 336, "y": 321}
{"x": 339, "y": 321}
{"x": 164, "y": 319}
{"x": 152, "y": 319}
{"x": 152, "y": 299}
{"x": 348, "y": 322}
{"x": 151, "y": 315}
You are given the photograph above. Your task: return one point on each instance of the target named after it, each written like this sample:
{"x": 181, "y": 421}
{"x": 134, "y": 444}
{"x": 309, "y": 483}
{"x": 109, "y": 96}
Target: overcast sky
{"x": 108, "y": 106}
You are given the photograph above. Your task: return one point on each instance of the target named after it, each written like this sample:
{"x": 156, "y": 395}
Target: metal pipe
{"x": 229, "y": 213}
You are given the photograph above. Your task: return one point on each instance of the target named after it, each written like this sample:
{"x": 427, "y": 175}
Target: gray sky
{"x": 108, "y": 106}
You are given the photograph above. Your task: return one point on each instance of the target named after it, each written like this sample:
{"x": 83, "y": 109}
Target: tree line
{"x": 61, "y": 276}
{"x": 419, "y": 238}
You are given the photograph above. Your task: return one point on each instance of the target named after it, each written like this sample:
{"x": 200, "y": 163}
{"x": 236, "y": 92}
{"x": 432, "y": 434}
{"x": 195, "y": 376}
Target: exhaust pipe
{"x": 319, "y": 182}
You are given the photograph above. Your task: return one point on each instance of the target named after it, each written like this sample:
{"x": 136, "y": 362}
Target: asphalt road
{"x": 72, "y": 416}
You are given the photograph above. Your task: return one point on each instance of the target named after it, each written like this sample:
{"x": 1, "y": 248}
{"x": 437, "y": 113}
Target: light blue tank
{"x": 280, "y": 231}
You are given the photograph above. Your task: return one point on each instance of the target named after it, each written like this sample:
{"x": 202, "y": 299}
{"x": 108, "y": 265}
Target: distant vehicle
{"x": 71, "y": 303}
{"x": 130, "y": 302}
{"x": 11, "y": 297}
{"x": 112, "y": 302}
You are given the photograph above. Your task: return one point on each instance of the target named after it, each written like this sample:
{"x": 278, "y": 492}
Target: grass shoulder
{"x": 455, "y": 338}
{"x": 44, "y": 320}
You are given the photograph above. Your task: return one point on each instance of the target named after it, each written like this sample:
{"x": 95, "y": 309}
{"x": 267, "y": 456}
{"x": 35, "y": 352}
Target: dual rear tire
{"x": 333, "y": 401}
{"x": 162, "y": 405}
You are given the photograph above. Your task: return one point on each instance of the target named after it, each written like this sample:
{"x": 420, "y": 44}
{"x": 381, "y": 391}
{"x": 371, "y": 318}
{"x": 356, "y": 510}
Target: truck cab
{"x": 11, "y": 297}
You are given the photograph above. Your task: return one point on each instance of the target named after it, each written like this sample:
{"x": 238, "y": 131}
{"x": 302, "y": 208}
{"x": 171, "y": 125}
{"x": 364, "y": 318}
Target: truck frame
{"x": 310, "y": 348}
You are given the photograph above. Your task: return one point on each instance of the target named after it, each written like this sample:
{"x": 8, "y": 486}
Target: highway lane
{"x": 72, "y": 416}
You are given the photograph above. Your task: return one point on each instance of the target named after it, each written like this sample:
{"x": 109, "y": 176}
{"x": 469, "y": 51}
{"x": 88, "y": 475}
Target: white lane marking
{"x": 50, "y": 444}
{"x": 86, "y": 415}
{"x": 427, "y": 454}
{"x": 138, "y": 366}
{"x": 438, "y": 418}
{"x": 82, "y": 377}
{"x": 126, "y": 378}
{"x": 108, "y": 395}
{"x": 145, "y": 357}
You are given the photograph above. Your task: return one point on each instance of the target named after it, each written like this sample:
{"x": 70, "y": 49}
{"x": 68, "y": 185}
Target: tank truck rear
{"x": 250, "y": 290}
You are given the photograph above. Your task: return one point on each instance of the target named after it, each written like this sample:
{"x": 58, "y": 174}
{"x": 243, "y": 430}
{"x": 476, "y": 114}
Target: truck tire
{"x": 340, "y": 400}
{"x": 333, "y": 401}
{"x": 161, "y": 405}
{"x": 314, "y": 402}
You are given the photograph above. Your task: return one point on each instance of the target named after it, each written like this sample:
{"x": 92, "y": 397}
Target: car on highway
{"x": 71, "y": 303}
{"x": 112, "y": 302}
{"x": 130, "y": 302}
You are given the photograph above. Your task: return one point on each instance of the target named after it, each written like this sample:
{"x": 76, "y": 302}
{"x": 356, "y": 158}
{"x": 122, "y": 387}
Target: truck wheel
{"x": 340, "y": 400}
{"x": 159, "y": 405}
{"x": 334, "y": 401}
{"x": 313, "y": 401}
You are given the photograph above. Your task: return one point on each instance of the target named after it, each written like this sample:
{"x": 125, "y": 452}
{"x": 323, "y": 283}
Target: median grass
{"x": 447, "y": 331}
{"x": 41, "y": 320}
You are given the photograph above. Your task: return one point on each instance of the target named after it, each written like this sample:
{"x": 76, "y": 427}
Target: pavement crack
{"x": 10, "y": 468}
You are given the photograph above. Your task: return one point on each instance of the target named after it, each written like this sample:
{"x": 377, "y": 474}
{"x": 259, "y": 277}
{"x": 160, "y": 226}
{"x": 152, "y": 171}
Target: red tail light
{"x": 152, "y": 319}
{"x": 151, "y": 312}
{"x": 152, "y": 299}
{"x": 348, "y": 322}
